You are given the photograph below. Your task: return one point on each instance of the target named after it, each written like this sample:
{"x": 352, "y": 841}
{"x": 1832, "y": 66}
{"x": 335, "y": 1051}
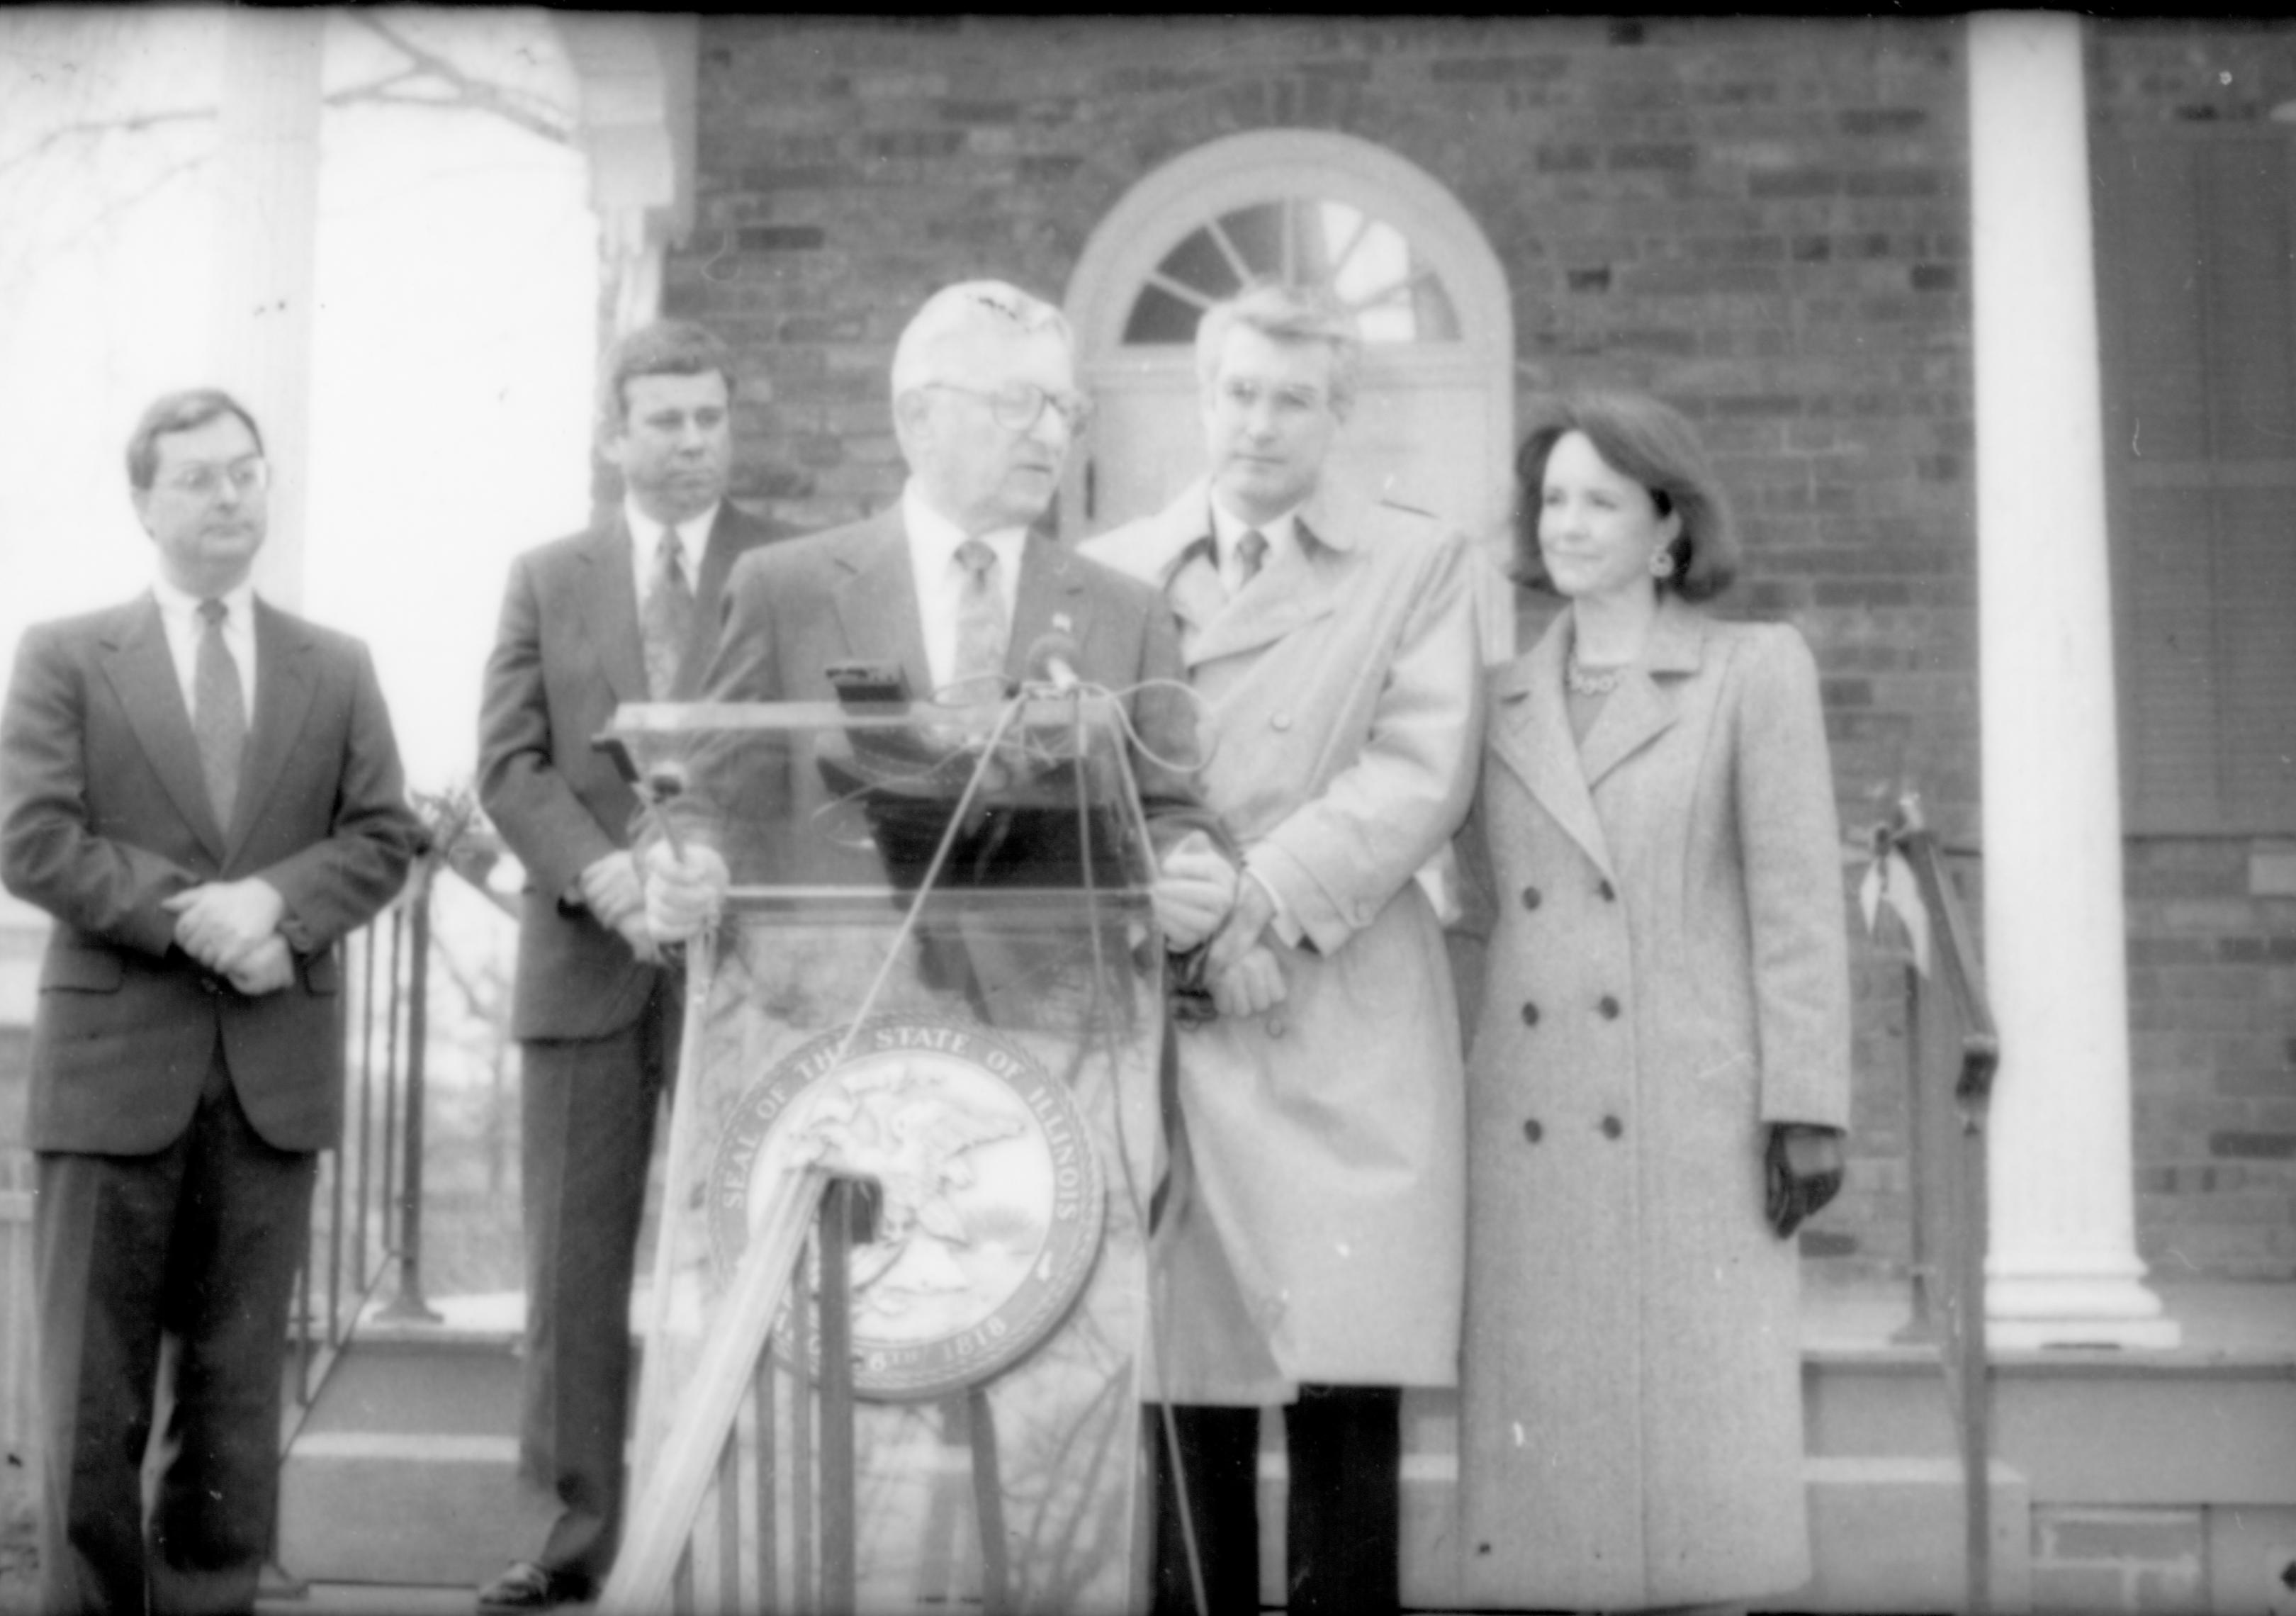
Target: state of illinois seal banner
{"x": 987, "y": 1197}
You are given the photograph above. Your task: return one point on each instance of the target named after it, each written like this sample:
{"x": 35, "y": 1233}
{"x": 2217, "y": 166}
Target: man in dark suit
{"x": 203, "y": 791}
{"x": 951, "y": 586}
{"x": 624, "y": 613}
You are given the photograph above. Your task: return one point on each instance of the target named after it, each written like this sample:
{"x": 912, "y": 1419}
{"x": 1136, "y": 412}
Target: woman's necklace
{"x": 1590, "y": 681}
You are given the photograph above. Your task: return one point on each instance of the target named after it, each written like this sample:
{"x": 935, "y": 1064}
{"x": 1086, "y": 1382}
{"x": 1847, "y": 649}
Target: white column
{"x": 261, "y": 299}
{"x": 2064, "y": 1269}
{"x": 636, "y": 126}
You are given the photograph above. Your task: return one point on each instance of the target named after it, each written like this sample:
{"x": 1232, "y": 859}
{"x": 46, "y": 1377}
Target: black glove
{"x": 1187, "y": 995}
{"x": 1803, "y": 1167}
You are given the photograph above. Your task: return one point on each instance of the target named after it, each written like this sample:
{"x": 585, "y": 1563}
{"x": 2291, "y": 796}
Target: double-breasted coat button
{"x": 1609, "y": 893}
{"x": 1530, "y": 1014}
{"x": 1276, "y": 1026}
{"x": 1612, "y": 1127}
{"x": 1532, "y": 1131}
{"x": 1530, "y": 897}
{"x": 1609, "y": 1006}
{"x": 1281, "y": 720}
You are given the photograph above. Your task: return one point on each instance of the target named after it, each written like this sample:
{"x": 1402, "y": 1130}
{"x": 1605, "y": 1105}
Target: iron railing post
{"x": 409, "y": 1303}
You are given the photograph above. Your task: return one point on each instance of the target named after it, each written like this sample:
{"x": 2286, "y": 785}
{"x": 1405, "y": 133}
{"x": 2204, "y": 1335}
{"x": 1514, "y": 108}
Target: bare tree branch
{"x": 95, "y": 128}
{"x": 477, "y": 94}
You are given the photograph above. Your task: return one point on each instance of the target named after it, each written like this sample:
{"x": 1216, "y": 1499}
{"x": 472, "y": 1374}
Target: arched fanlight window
{"x": 1434, "y": 420}
{"x": 1368, "y": 264}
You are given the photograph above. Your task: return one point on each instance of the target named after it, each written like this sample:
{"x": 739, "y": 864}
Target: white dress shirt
{"x": 645, "y": 541}
{"x": 179, "y": 618}
{"x": 1228, "y": 533}
{"x": 940, "y": 578}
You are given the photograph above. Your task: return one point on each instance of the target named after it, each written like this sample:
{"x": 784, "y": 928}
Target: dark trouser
{"x": 202, "y": 1240}
{"x": 587, "y": 1128}
{"x": 1345, "y": 1450}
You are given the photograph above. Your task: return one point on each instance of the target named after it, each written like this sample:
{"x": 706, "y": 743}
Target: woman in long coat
{"x": 1658, "y": 1077}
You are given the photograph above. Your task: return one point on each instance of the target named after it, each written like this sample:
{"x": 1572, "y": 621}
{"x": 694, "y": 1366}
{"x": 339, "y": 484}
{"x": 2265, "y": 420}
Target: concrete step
{"x": 1890, "y": 1535}
{"x": 406, "y": 1473}
{"x": 405, "y": 1476}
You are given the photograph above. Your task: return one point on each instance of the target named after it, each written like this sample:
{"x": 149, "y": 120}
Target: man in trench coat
{"x": 1309, "y": 1251}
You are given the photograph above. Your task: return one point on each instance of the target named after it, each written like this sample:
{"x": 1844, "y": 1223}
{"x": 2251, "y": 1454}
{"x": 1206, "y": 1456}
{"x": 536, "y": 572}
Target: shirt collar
{"x": 239, "y": 600}
{"x": 645, "y": 535}
{"x": 1228, "y": 529}
{"x": 933, "y": 538}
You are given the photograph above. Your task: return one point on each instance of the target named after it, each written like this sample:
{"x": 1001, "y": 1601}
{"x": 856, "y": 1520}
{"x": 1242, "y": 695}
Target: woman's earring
{"x": 1662, "y": 562}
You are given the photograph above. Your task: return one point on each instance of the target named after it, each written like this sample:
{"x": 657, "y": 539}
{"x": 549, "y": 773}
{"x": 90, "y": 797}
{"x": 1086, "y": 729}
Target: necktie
{"x": 1250, "y": 550}
{"x": 218, "y": 713}
{"x": 667, "y": 620}
{"x": 980, "y": 625}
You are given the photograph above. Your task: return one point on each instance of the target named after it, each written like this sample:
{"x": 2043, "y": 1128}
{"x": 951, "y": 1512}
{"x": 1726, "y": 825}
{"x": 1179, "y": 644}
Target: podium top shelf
{"x": 805, "y": 800}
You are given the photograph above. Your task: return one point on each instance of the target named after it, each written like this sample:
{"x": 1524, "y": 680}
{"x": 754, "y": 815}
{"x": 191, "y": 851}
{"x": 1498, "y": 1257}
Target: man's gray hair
{"x": 1283, "y": 312}
{"x": 966, "y": 309}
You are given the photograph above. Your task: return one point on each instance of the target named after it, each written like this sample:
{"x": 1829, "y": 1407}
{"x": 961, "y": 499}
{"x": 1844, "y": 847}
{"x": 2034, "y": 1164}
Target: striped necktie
{"x": 1250, "y": 551}
{"x": 218, "y": 712}
{"x": 980, "y": 625}
{"x": 667, "y": 620}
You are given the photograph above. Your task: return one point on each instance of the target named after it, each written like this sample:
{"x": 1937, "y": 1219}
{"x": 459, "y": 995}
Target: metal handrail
{"x": 370, "y": 1225}
{"x": 1953, "y": 1051}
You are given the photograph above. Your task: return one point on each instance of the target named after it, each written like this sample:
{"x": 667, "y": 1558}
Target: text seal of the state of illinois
{"x": 989, "y": 1197}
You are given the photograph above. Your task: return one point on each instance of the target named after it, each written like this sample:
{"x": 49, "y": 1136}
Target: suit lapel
{"x": 143, "y": 676}
{"x": 730, "y": 535}
{"x": 283, "y": 698}
{"x": 609, "y": 610}
{"x": 1648, "y": 699}
{"x": 1051, "y": 599}
{"x": 1530, "y": 734}
{"x": 877, "y": 601}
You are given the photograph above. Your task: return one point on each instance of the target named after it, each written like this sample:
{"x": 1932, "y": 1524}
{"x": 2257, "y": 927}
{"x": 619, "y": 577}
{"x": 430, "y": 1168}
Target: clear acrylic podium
{"x": 900, "y": 1293}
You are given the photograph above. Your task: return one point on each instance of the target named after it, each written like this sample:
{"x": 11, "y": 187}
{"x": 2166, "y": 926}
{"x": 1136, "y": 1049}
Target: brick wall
{"x": 2211, "y": 923}
{"x": 1763, "y": 221}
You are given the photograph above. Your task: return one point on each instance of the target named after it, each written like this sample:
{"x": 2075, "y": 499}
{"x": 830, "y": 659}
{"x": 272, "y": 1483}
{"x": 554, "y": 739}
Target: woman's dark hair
{"x": 1649, "y": 441}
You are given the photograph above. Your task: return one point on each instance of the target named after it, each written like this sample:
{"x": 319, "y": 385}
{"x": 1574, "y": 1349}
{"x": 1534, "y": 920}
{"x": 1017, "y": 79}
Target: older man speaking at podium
{"x": 950, "y": 586}
{"x": 1019, "y": 967}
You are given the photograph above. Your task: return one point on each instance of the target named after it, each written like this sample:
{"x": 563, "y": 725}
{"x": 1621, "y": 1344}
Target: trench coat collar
{"x": 1296, "y": 588}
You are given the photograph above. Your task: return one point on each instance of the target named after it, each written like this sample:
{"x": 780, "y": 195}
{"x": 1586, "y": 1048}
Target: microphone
{"x": 664, "y": 783}
{"x": 1053, "y": 657}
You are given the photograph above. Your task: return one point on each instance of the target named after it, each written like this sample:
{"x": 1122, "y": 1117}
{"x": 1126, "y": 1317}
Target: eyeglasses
{"x": 1018, "y": 406}
{"x": 202, "y": 479}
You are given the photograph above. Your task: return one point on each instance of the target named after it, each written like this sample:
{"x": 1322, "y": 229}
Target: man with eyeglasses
{"x": 204, "y": 792}
{"x": 985, "y": 409}
{"x": 1310, "y": 1252}
{"x": 626, "y": 611}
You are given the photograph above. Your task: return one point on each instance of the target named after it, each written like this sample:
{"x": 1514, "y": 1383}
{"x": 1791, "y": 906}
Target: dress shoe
{"x": 529, "y": 1586}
